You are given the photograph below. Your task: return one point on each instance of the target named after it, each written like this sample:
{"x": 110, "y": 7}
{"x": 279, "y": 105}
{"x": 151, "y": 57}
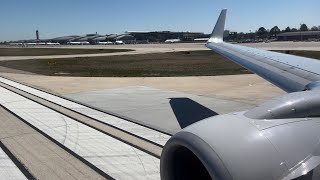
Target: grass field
{"x": 194, "y": 63}
{"x": 53, "y": 51}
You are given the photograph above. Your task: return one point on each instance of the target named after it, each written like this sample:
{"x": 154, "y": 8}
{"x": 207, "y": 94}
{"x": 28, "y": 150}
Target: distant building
{"x": 130, "y": 37}
{"x": 162, "y": 36}
{"x": 125, "y": 38}
{"x": 99, "y": 39}
{"x": 64, "y": 39}
{"x": 299, "y": 36}
{"x": 88, "y": 38}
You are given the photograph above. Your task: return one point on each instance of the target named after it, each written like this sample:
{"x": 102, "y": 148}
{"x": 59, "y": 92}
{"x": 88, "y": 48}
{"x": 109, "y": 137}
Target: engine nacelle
{"x": 294, "y": 105}
{"x": 233, "y": 146}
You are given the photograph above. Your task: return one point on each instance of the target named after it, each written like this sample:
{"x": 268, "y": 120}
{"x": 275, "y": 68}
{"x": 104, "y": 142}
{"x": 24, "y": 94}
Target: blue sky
{"x": 21, "y": 18}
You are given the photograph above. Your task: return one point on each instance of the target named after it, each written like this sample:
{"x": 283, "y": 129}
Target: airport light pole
{"x": 300, "y": 32}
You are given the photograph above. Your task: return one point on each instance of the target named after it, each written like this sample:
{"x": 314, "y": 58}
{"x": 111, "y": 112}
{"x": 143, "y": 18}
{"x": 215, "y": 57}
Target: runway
{"x": 109, "y": 153}
{"x": 125, "y": 125}
{"x": 9, "y": 169}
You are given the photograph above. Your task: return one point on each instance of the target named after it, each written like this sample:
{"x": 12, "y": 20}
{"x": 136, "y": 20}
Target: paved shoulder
{"x": 38, "y": 157}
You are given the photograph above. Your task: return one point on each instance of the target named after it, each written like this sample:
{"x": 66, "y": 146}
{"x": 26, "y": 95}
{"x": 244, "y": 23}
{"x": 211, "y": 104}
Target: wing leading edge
{"x": 290, "y": 73}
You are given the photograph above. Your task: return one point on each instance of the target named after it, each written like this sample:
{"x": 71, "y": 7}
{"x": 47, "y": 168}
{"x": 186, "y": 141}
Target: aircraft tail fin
{"x": 217, "y": 33}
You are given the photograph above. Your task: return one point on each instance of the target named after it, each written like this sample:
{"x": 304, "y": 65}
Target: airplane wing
{"x": 275, "y": 140}
{"x": 290, "y": 73}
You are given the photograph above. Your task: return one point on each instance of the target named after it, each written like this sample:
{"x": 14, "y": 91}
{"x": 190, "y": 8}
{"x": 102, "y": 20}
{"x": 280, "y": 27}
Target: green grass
{"x": 53, "y": 51}
{"x": 194, "y": 63}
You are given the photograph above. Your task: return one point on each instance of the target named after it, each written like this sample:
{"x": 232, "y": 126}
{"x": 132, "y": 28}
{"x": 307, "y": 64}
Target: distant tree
{"x": 262, "y": 32}
{"x": 304, "y": 27}
{"x": 314, "y": 28}
{"x": 251, "y": 35}
{"x": 241, "y": 35}
{"x": 226, "y": 33}
{"x": 233, "y": 36}
{"x": 288, "y": 29}
{"x": 274, "y": 31}
{"x": 294, "y": 30}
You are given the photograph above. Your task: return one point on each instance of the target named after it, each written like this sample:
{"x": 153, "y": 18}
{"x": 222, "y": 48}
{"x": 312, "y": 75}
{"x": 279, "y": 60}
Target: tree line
{"x": 263, "y": 33}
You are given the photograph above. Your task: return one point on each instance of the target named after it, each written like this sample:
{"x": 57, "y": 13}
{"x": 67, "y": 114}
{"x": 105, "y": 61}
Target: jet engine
{"x": 277, "y": 140}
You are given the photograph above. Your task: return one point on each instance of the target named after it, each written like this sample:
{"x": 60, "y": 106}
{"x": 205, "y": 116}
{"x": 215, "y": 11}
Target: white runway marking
{"x": 112, "y": 156}
{"x": 136, "y": 129}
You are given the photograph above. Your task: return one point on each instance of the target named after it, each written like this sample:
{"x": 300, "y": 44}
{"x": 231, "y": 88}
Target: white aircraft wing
{"x": 290, "y": 73}
{"x": 278, "y": 139}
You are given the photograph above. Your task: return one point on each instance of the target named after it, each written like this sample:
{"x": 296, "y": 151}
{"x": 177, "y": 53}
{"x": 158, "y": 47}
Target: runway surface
{"x": 162, "y": 109}
{"x": 111, "y": 155}
{"x": 9, "y": 170}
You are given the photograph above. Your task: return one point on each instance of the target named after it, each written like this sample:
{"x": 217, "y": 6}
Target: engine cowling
{"x": 234, "y": 146}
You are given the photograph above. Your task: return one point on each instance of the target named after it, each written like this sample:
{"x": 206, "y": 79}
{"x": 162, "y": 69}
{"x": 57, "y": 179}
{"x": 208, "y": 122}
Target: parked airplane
{"x": 49, "y": 43}
{"x": 201, "y": 39}
{"x": 279, "y": 139}
{"x": 172, "y": 40}
{"x": 78, "y": 43}
{"x": 31, "y": 44}
{"x": 105, "y": 43}
{"x": 119, "y": 42}
{"x": 16, "y": 44}
{"x": 42, "y": 43}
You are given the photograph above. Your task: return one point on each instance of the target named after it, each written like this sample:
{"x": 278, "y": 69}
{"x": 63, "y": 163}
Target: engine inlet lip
{"x": 204, "y": 152}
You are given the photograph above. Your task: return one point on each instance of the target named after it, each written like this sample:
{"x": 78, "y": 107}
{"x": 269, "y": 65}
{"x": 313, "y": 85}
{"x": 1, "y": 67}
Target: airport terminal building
{"x": 299, "y": 36}
{"x": 129, "y": 37}
{"x": 162, "y": 36}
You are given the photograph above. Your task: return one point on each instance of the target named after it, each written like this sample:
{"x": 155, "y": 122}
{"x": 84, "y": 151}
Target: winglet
{"x": 217, "y": 33}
